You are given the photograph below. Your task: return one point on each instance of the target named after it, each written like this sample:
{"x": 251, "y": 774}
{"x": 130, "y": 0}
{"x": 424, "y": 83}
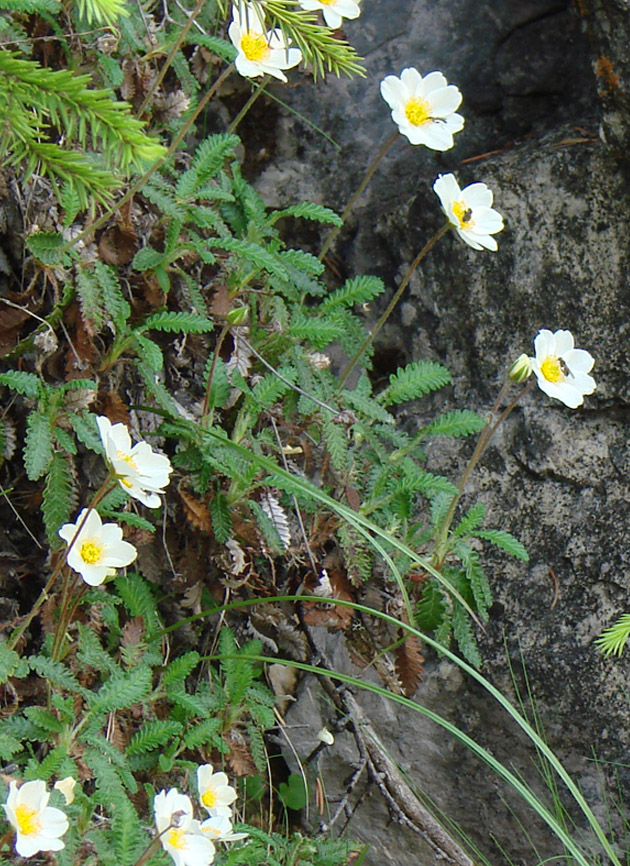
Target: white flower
{"x": 260, "y": 52}
{"x": 219, "y": 829}
{"x": 470, "y": 211}
{"x": 214, "y": 792}
{"x": 424, "y": 108}
{"x": 562, "y": 371}
{"x": 39, "y": 826}
{"x": 325, "y": 737}
{"x": 139, "y": 470}
{"x": 334, "y": 10}
{"x": 180, "y": 836}
{"x": 98, "y": 549}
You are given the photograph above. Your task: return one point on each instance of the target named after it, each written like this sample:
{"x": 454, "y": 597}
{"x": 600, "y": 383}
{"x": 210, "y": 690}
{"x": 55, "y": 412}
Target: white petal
{"x": 433, "y": 81}
{"x": 564, "y": 342}
{"x": 477, "y": 195}
{"x": 444, "y": 101}
{"x": 447, "y": 190}
{"x": 435, "y": 136}
{"x": 412, "y": 81}
{"x": 332, "y": 19}
{"x": 544, "y": 345}
{"x": 578, "y": 360}
{"x": 393, "y": 91}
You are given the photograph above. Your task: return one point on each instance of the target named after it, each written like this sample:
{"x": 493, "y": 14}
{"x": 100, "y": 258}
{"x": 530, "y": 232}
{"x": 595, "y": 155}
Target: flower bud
{"x": 237, "y": 315}
{"x": 521, "y": 369}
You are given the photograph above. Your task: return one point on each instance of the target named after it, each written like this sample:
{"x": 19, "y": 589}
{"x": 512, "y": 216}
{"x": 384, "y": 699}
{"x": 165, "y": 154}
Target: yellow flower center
{"x": 553, "y": 369}
{"x": 417, "y": 111}
{"x": 209, "y": 798}
{"x": 254, "y": 46}
{"x": 128, "y": 459}
{"x": 327, "y": 2}
{"x": 27, "y": 820}
{"x": 176, "y": 839}
{"x": 463, "y": 214}
{"x": 91, "y": 551}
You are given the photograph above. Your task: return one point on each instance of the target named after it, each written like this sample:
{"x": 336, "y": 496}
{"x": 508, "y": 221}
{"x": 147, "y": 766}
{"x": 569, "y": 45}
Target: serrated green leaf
{"x": 70, "y": 201}
{"x": 122, "y": 691}
{"x": 38, "y": 449}
{"x": 56, "y": 673}
{"x": 43, "y": 718}
{"x": 129, "y": 518}
{"x": 86, "y": 430}
{"x": 188, "y": 323}
{"x": 413, "y": 381}
{"x": 46, "y": 246}
{"x": 180, "y": 668}
{"x": 149, "y": 351}
{"x": 357, "y": 290}
{"x": 337, "y": 444}
{"x": 27, "y": 384}
{"x": 464, "y": 635}
{"x": 152, "y": 735}
{"x": 205, "y": 733}
{"x": 147, "y": 259}
{"x": 310, "y": 211}
{"x": 221, "y": 517}
{"x": 10, "y": 663}
{"x": 459, "y": 422}
{"x": 57, "y": 500}
{"x": 470, "y": 521}
{"x": 505, "y": 541}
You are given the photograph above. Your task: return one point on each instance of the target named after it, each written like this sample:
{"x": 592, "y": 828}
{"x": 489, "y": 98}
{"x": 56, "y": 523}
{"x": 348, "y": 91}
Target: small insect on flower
{"x": 423, "y": 109}
{"x": 218, "y": 828}
{"x": 562, "y": 370}
{"x": 334, "y": 11}
{"x": 139, "y": 470}
{"x": 180, "y": 835}
{"x": 260, "y": 51}
{"x": 39, "y": 826}
{"x": 214, "y": 792}
{"x": 98, "y": 550}
{"x": 469, "y": 211}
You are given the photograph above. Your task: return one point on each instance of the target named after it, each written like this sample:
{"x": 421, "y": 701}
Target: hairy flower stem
{"x": 106, "y": 487}
{"x": 358, "y": 193}
{"x": 153, "y": 844}
{"x": 485, "y": 437}
{"x": 252, "y": 99}
{"x": 390, "y": 307}
{"x": 171, "y": 54}
{"x": 205, "y": 421}
{"x": 100, "y": 222}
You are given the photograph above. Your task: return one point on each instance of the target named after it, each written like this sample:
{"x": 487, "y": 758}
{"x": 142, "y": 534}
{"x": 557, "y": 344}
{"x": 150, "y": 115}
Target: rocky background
{"x": 545, "y": 86}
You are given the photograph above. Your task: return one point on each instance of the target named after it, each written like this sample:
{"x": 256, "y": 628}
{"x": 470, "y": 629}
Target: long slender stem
{"x": 398, "y": 294}
{"x": 359, "y": 192}
{"x": 485, "y": 437}
{"x": 171, "y": 54}
{"x": 98, "y": 496}
{"x": 252, "y": 99}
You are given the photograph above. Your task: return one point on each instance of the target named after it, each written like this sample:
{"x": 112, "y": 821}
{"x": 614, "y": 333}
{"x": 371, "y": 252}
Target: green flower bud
{"x": 521, "y": 369}
{"x": 237, "y": 316}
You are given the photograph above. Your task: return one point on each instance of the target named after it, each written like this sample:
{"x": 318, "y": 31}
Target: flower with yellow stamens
{"x": 562, "y": 370}
{"x": 98, "y": 549}
{"x": 260, "y": 52}
{"x": 424, "y": 109}
{"x": 39, "y": 826}
{"x": 334, "y": 11}
{"x": 214, "y": 792}
{"x": 469, "y": 211}
{"x": 179, "y": 832}
{"x": 139, "y": 470}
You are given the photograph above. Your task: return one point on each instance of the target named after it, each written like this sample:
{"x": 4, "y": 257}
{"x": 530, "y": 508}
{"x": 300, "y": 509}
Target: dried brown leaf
{"x": 409, "y": 664}
{"x": 196, "y": 511}
{"x": 132, "y": 632}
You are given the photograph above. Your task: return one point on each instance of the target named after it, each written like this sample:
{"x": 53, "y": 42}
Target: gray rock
{"x": 556, "y": 478}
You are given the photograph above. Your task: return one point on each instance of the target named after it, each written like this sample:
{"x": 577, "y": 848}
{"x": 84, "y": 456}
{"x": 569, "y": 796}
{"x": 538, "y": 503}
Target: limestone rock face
{"x": 555, "y": 155}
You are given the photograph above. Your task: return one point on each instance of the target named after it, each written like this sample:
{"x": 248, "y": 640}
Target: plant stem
{"x": 252, "y": 99}
{"x": 217, "y": 350}
{"x": 390, "y": 307}
{"x": 98, "y": 496}
{"x": 353, "y": 200}
{"x": 166, "y": 65}
{"x": 483, "y": 442}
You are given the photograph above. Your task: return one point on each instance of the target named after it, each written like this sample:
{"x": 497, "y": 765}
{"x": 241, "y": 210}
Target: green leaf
{"x": 337, "y": 444}
{"x": 27, "y": 384}
{"x": 252, "y": 252}
{"x": 90, "y": 300}
{"x": 310, "y": 211}
{"x": 205, "y": 733}
{"x": 86, "y": 430}
{"x": 413, "y": 381}
{"x": 57, "y": 674}
{"x": 44, "y": 719}
{"x": 358, "y": 290}
{"x": 152, "y": 735}
{"x": 136, "y": 595}
{"x": 46, "y": 246}
{"x": 38, "y": 450}
{"x": 613, "y": 639}
{"x": 11, "y": 665}
{"x": 430, "y": 608}
{"x": 464, "y": 635}
{"x": 70, "y": 201}
{"x": 180, "y": 668}
{"x": 127, "y": 834}
{"x": 57, "y": 501}
{"x": 121, "y": 691}
{"x": 221, "y": 517}
{"x": 221, "y": 47}
{"x": 149, "y": 351}
{"x": 187, "y": 323}
{"x": 459, "y": 422}
{"x": 147, "y": 259}
{"x": 505, "y": 541}
{"x": 476, "y": 576}
{"x": 129, "y": 518}
{"x": 470, "y": 521}
{"x": 114, "y": 300}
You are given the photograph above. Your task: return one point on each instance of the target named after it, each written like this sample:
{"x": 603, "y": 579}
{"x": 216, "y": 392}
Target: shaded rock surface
{"x": 530, "y": 73}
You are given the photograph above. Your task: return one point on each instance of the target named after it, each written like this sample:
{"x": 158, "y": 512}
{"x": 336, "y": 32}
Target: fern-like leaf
{"x": 505, "y": 541}
{"x": 186, "y": 323}
{"x": 470, "y": 521}
{"x": 57, "y": 500}
{"x": 38, "y": 449}
{"x": 221, "y": 517}
{"x": 27, "y": 384}
{"x": 357, "y": 290}
{"x": 459, "y": 422}
{"x": 310, "y": 211}
{"x": 413, "y": 381}
{"x": 612, "y": 640}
